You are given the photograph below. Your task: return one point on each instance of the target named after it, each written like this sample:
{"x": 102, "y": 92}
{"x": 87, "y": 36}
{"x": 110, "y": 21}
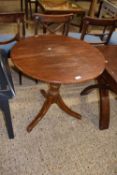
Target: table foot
{"x": 52, "y": 96}
{"x": 40, "y": 115}
{"x": 66, "y": 109}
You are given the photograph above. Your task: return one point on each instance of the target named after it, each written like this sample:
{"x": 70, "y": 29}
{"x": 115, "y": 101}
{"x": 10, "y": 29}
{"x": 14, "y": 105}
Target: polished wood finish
{"x": 57, "y": 60}
{"x": 52, "y": 96}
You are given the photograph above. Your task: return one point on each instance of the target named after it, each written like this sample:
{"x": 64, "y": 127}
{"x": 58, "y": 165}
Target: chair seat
{"x": 7, "y": 47}
{"x": 113, "y": 39}
{"x": 87, "y": 38}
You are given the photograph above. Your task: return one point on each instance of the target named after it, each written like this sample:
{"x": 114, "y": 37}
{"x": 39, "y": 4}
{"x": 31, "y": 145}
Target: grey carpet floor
{"x": 59, "y": 144}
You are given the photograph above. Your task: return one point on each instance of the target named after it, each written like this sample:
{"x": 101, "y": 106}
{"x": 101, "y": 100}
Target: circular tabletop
{"x": 58, "y": 59}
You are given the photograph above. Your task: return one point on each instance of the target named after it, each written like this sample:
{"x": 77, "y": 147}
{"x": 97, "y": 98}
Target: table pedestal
{"x": 52, "y": 96}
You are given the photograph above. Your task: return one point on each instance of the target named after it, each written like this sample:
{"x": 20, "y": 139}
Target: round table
{"x": 57, "y": 60}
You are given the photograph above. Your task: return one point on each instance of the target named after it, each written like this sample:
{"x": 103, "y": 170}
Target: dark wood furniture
{"x": 57, "y": 60}
{"x": 107, "y": 27}
{"x": 104, "y": 27}
{"x": 108, "y": 81}
{"x": 6, "y": 92}
{"x": 52, "y": 23}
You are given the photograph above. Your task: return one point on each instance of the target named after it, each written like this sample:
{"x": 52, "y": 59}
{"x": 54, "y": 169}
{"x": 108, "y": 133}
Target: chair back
{"x": 102, "y": 28}
{"x": 13, "y": 17}
{"x": 6, "y": 83}
{"x": 52, "y": 24}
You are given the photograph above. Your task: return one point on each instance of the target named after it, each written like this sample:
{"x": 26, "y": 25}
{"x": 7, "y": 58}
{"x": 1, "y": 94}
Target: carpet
{"x": 59, "y": 144}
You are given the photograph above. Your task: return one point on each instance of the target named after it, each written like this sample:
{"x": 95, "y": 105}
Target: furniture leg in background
{"x": 4, "y": 104}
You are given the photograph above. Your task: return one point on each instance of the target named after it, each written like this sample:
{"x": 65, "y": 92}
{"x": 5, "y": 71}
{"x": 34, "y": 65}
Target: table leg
{"x": 52, "y": 96}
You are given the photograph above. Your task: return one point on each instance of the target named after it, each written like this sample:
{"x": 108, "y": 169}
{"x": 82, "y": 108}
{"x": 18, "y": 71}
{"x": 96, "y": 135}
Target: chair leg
{"x": 104, "y": 106}
{"x": 104, "y": 101}
{"x": 20, "y": 78}
{"x": 7, "y": 116}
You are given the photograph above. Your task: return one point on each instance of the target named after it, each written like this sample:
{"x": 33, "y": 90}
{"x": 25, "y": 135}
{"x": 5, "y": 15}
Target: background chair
{"x": 102, "y": 37}
{"x": 6, "y": 91}
{"x": 7, "y": 41}
{"x": 52, "y": 24}
{"x": 103, "y": 33}
{"x": 96, "y": 31}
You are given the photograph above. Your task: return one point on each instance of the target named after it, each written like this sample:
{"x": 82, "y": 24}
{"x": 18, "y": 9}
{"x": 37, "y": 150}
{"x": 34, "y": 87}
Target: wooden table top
{"x": 60, "y": 6}
{"x": 58, "y": 59}
{"x": 110, "y": 53}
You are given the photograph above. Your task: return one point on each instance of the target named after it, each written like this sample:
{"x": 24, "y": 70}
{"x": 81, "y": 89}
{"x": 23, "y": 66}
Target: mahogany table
{"x": 57, "y": 60}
